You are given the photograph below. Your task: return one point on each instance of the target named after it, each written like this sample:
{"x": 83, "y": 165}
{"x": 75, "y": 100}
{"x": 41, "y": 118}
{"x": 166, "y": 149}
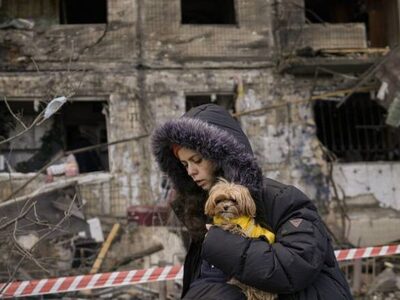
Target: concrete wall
{"x": 293, "y": 32}
{"x": 70, "y": 46}
{"x": 144, "y": 62}
{"x": 167, "y": 42}
{"x": 377, "y": 179}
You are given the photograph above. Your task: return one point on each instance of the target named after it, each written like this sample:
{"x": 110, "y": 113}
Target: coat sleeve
{"x": 289, "y": 265}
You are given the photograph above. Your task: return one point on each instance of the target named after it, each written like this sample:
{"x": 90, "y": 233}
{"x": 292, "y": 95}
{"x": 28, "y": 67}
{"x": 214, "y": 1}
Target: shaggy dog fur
{"x": 229, "y": 201}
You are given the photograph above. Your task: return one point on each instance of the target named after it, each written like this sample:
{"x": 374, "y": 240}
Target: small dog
{"x": 233, "y": 209}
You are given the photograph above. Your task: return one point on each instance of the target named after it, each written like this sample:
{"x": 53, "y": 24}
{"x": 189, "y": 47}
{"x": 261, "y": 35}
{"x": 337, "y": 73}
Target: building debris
{"x": 104, "y": 249}
{"x": 38, "y": 229}
{"x": 148, "y": 215}
{"x": 96, "y": 231}
{"x": 283, "y": 68}
{"x": 17, "y": 24}
{"x": 393, "y": 117}
{"x": 386, "y": 281}
{"x": 138, "y": 255}
{"x": 70, "y": 168}
{"x": 41, "y": 211}
{"x": 53, "y": 106}
{"x": 390, "y": 77}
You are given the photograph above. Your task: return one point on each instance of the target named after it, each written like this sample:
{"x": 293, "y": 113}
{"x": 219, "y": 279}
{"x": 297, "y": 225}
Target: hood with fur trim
{"x": 210, "y": 130}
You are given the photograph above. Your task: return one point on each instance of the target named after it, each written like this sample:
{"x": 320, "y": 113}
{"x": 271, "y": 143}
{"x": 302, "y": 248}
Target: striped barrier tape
{"x": 115, "y": 279}
{"x": 92, "y": 281}
{"x": 357, "y": 253}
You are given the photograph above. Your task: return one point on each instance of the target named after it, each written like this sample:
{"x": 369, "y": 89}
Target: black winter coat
{"x": 299, "y": 265}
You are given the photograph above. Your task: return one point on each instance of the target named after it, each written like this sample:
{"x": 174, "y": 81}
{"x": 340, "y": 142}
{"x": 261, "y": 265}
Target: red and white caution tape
{"x": 357, "y": 253}
{"x": 92, "y": 281}
{"x": 115, "y": 279}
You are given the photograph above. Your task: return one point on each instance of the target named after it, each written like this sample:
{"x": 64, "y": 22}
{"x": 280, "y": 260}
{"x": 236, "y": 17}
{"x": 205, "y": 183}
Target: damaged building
{"x": 311, "y": 82}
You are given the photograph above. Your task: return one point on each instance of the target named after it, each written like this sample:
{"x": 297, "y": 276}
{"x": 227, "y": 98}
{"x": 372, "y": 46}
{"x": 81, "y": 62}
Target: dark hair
{"x": 189, "y": 208}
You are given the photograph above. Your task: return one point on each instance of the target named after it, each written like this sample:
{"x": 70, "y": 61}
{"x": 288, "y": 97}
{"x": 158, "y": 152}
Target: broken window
{"x": 380, "y": 17}
{"x": 77, "y": 125}
{"x": 225, "y": 100}
{"x": 208, "y": 12}
{"x": 83, "y": 12}
{"x": 356, "y": 131}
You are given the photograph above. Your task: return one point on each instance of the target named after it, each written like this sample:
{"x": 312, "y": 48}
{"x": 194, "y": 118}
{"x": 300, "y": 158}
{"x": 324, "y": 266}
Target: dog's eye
{"x": 218, "y": 201}
{"x": 233, "y": 200}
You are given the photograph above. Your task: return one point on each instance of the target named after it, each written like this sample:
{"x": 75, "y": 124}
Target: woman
{"x": 207, "y": 143}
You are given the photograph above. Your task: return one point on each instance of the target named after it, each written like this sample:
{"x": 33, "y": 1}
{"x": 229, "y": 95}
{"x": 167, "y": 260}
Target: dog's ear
{"x": 247, "y": 203}
{"x": 209, "y": 208}
{"x": 215, "y": 191}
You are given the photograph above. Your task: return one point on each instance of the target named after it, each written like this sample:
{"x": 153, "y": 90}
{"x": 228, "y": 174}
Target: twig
{"x": 25, "y": 253}
{"x": 20, "y": 216}
{"x": 342, "y": 206}
{"x": 37, "y": 119}
{"x": 88, "y": 148}
{"x": 67, "y": 214}
{"x": 57, "y": 157}
{"x": 12, "y": 113}
{"x": 34, "y": 62}
{"x": 327, "y": 70}
{"x": 137, "y": 255}
{"x": 70, "y": 57}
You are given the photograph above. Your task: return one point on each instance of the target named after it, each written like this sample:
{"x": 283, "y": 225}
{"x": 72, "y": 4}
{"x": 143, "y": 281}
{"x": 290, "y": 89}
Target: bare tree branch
{"x": 13, "y": 114}
{"x": 28, "y": 254}
{"x": 20, "y": 216}
{"x": 35, "y": 122}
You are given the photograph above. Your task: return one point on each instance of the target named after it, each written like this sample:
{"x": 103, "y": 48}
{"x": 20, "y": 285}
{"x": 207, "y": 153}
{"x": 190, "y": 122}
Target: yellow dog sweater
{"x": 248, "y": 225}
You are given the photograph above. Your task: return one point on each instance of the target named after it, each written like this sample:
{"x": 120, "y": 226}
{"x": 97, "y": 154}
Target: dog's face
{"x": 229, "y": 200}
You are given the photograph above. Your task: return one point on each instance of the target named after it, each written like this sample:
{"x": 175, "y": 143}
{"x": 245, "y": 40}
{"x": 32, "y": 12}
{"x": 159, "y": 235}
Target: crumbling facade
{"x": 282, "y": 67}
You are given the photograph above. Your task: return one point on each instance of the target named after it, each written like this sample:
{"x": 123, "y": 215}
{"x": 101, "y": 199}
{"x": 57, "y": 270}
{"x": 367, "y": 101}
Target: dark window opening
{"x": 356, "y": 131}
{"x": 208, "y": 12}
{"x": 83, "y": 12}
{"x": 51, "y": 12}
{"x": 76, "y": 125}
{"x": 379, "y": 17}
{"x": 225, "y": 100}
{"x": 336, "y": 11}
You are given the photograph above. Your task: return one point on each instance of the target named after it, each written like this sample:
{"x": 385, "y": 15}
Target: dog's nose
{"x": 226, "y": 207}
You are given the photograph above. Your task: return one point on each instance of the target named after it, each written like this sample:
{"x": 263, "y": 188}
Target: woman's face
{"x": 200, "y": 169}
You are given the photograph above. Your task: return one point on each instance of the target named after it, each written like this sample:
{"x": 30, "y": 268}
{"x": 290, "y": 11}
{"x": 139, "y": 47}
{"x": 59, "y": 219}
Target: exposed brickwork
{"x": 144, "y": 62}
